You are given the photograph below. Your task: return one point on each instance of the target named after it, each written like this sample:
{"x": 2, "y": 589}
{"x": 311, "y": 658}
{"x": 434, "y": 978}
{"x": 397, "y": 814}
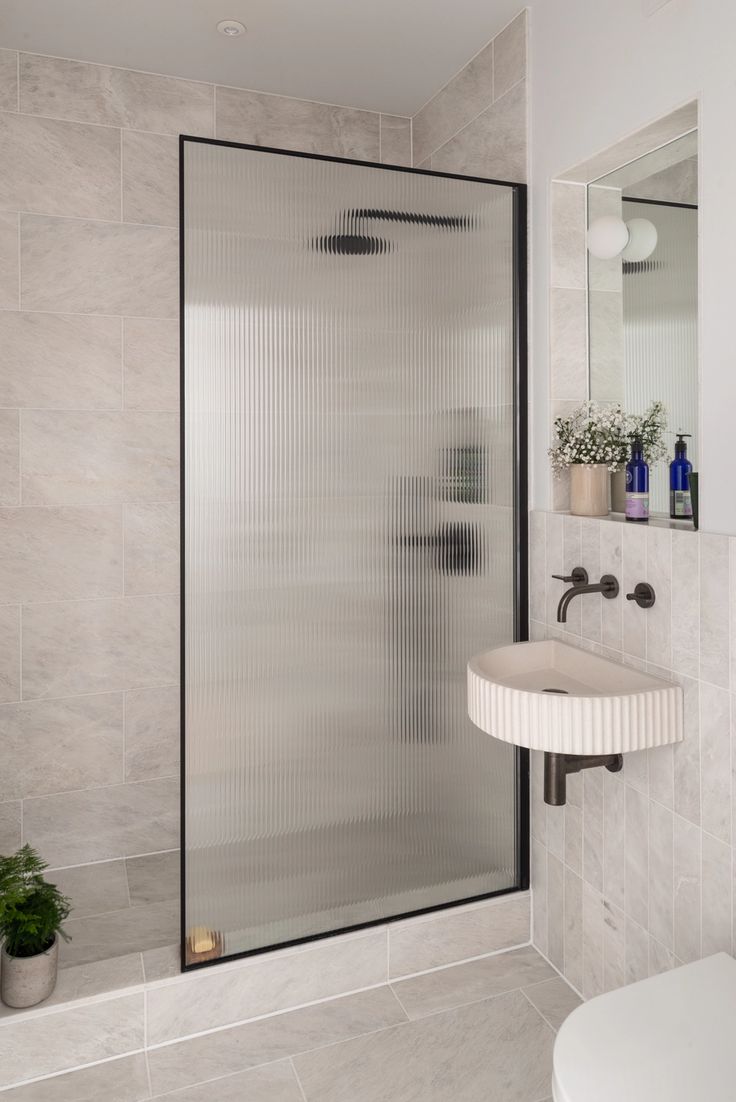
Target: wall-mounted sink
{"x": 558, "y": 698}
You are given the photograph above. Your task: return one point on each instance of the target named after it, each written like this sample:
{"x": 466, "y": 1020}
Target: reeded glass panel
{"x": 348, "y": 396}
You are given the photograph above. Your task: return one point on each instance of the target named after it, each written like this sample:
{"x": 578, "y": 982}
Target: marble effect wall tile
{"x": 10, "y": 826}
{"x": 8, "y": 80}
{"x": 509, "y": 56}
{"x": 655, "y": 860}
{"x": 53, "y": 554}
{"x": 72, "y": 647}
{"x": 9, "y": 652}
{"x": 54, "y": 167}
{"x": 568, "y": 237}
{"x": 457, "y": 934}
{"x": 103, "y": 823}
{"x": 151, "y": 548}
{"x": 153, "y": 878}
{"x": 61, "y": 89}
{"x": 9, "y": 457}
{"x": 94, "y": 889}
{"x": 492, "y": 145}
{"x": 152, "y": 731}
{"x": 131, "y": 930}
{"x": 9, "y": 266}
{"x": 85, "y": 267}
{"x": 260, "y": 119}
{"x": 569, "y": 331}
{"x": 150, "y": 178}
{"x": 717, "y": 886}
{"x": 95, "y": 458}
{"x": 714, "y": 610}
{"x": 715, "y": 760}
{"x": 396, "y": 140}
{"x": 687, "y": 883}
{"x": 151, "y": 364}
{"x": 87, "y": 741}
{"x": 59, "y": 361}
{"x": 455, "y": 105}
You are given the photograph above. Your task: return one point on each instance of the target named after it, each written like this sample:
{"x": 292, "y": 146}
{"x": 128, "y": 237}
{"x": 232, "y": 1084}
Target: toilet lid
{"x": 671, "y": 1038}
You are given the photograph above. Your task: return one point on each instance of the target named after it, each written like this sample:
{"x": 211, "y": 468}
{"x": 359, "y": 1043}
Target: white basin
{"x": 602, "y": 707}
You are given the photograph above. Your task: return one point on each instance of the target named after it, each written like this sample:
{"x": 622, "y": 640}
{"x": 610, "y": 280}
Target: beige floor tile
{"x": 554, "y": 1000}
{"x": 243, "y": 1046}
{"x": 467, "y": 983}
{"x": 499, "y": 1049}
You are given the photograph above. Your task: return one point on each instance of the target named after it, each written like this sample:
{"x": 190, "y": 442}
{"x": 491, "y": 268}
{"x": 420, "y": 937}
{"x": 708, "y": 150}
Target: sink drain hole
{"x": 560, "y": 692}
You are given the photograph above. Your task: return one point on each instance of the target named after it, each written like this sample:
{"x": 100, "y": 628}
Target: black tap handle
{"x": 643, "y": 595}
{"x": 579, "y": 576}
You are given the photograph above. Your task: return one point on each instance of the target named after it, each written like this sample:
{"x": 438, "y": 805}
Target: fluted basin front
{"x": 555, "y": 697}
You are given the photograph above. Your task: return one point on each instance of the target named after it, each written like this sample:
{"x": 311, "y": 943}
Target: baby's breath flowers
{"x": 603, "y": 434}
{"x": 591, "y": 434}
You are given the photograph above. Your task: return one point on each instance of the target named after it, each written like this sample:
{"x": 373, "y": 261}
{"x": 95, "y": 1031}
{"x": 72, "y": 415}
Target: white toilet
{"x": 671, "y": 1038}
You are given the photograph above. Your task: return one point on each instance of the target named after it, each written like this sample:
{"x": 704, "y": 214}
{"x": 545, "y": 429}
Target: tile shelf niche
{"x": 653, "y": 522}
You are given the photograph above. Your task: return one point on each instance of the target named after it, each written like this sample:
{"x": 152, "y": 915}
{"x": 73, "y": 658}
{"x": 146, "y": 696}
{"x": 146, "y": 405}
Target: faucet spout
{"x": 607, "y": 587}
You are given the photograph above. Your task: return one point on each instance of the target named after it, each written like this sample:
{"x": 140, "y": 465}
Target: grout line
{"x": 538, "y": 1011}
{"x": 298, "y": 1080}
{"x": 20, "y": 259}
{"x": 23, "y": 213}
{"x": 84, "y": 696}
{"x": 109, "y": 860}
{"x": 122, "y": 155}
{"x": 469, "y": 122}
{"x": 69, "y": 1071}
{"x": 86, "y": 314}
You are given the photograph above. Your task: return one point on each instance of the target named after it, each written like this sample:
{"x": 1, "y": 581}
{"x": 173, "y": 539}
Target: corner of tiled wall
{"x": 476, "y": 124}
{"x": 635, "y": 873}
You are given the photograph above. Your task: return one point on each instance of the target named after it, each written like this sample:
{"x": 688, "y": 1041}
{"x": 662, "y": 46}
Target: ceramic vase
{"x": 589, "y": 487}
{"x": 25, "y": 981}
{"x": 618, "y": 491}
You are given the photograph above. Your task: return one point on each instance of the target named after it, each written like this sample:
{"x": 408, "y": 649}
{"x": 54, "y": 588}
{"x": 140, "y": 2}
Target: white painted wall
{"x": 599, "y": 71}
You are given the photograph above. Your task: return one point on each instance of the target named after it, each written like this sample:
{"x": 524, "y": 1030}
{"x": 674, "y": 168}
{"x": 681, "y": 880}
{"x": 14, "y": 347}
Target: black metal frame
{"x": 521, "y": 527}
{"x": 658, "y": 202}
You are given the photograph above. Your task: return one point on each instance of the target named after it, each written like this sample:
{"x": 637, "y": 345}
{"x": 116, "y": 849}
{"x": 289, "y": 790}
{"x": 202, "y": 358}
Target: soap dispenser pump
{"x": 681, "y": 506}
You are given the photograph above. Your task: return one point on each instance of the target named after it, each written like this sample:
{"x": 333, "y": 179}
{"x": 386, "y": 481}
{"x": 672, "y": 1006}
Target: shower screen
{"x": 353, "y": 531}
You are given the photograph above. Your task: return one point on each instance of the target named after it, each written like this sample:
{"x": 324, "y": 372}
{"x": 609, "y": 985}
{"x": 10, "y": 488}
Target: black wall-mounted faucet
{"x": 607, "y": 586}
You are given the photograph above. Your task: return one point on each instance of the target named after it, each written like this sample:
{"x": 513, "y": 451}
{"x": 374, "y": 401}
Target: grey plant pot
{"x": 25, "y": 981}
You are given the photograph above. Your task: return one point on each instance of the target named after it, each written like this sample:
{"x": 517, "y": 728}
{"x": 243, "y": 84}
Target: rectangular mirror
{"x": 643, "y": 301}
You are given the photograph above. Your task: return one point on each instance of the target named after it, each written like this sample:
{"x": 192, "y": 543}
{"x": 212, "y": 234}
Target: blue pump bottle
{"x": 681, "y": 506}
{"x": 637, "y": 484}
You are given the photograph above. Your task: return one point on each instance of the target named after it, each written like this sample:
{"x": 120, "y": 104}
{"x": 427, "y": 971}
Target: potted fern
{"x": 32, "y": 912}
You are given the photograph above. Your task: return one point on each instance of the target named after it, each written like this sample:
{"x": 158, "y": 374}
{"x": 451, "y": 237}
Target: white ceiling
{"x": 385, "y": 55}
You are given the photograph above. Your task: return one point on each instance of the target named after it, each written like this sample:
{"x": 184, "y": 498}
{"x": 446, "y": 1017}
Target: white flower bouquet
{"x": 603, "y": 434}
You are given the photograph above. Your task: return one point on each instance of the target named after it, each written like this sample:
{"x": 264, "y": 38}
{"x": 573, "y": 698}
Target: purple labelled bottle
{"x": 637, "y": 484}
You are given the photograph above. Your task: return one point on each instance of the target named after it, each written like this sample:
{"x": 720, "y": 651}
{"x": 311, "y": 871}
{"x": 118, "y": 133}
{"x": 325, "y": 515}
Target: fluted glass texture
{"x": 349, "y": 542}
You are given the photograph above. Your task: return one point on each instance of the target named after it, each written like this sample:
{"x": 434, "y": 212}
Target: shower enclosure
{"x": 354, "y": 528}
